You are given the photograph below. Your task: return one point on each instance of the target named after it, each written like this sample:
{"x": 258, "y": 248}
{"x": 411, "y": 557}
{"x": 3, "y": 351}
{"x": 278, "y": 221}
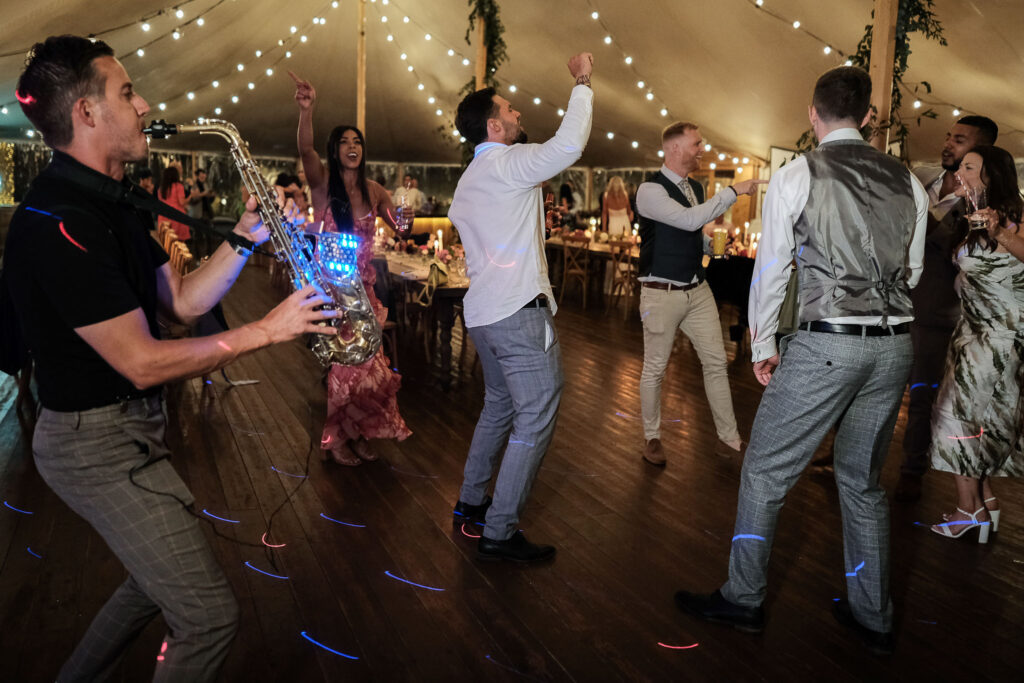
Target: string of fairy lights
{"x": 177, "y": 19}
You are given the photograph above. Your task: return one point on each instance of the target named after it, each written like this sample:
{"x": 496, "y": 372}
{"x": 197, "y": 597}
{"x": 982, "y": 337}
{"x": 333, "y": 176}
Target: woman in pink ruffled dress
{"x": 361, "y": 399}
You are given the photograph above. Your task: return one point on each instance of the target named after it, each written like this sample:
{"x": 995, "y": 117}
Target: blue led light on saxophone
{"x": 338, "y": 255}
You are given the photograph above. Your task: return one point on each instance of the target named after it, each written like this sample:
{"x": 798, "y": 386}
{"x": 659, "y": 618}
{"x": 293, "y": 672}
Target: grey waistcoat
{"x": 854, "y": 233}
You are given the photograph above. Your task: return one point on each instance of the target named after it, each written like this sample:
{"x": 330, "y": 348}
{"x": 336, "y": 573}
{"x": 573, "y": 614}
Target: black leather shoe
{"x": 878, "y": 642}
{"x": 464, "y": 512}
{"x": 716, "y": 609}
{"x": 514, "y": 549}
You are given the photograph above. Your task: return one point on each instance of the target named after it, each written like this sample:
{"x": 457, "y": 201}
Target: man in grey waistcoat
{"x": 936, "y": 304}
{"x": 854, "y": 219}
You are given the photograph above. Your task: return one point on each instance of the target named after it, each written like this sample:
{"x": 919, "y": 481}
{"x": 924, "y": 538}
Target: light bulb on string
{"x": 403, "y": 56}
{"x": 176, "y": 34}
{"x": 431, "y": 99}
{"x": 649, "y": 96}
{"x": 383, "y": 20}
{"x": 303, "y": 39}
{"x": 200, "y": 21}
{"x": 259, "y": 53}
{"x": 455, "y": 133}
{"x": 270, "y": 72}
{"x": 241, "y": 67}
{"x": 917, "y": 104}
{"x": 216, "y": 84}
{"x": 629, "y": 60}
{"x": 140, "y": 52}
{"x": 594, "y": 15}
{"x": 611, "y": 135}
{"x": 294, "y": 29}
{"x": 746, "y": 160}
{"x": 512, "y": 88}
{"x": 956, "y": 112}
{"x": 420, "y": 86}
{"x": 607, "y": 40}
{"x": 451, "y": 52}
{"x": 707, "y": 147}
{"x": 661, "y": 154}
{"x": 190, "y": 95}
{"x": 162, "y": 106}
{"x": 409, "y": 67}
{"x": 634, "y": 144}
{"x": 217, "y": 111}
{"x": 252, "y": 85}
{"x": 739, "y": 169}
{"x": 405, "y": 20}
{"x": 426, "y": 37}
{"x": 561, "y": 112}
{"x": 536, "y": 100}
{"x": 663, "y": 112}
{"x": 334, "y": 5}
{"x": 721, "y": 156}
{"x": 288, "y": 54}
{"x": 145, "y": 26}
{"x": 735, "y": 160}
{"x": 828, "y": 49}
{"x": 438, "y": 112}
{"x": 179, "y": 13}
{"x": 758, "y": 2}
{"x": 234, "y": 99}
{"x": 712, "y": 166}
{"x": 796, "y": 24}
{"x": 639, "y": 84}
{"x": 465, "y": 62}
{"x": 390, "y": 37}
{"x": 30, "y": 133}
{"x": 848, "y": 62}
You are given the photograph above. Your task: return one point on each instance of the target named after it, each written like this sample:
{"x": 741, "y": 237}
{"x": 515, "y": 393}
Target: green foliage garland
{"x": 915, "y": 16}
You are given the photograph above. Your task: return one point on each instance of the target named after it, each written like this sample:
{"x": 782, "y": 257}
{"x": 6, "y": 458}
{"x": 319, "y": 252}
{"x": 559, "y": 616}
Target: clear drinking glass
{"x": 976, "y": 201}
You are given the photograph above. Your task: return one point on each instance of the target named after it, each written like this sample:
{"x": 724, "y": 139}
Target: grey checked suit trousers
{"x": 824, "y": 379}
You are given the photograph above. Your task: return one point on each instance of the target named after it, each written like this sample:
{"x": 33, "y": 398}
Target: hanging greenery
{"x": 914, "y": 16}
{"x": 488, "y": 12}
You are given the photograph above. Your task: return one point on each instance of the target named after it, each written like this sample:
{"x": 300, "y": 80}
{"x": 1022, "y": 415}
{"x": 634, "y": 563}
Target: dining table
{"x": 414, "y": 269}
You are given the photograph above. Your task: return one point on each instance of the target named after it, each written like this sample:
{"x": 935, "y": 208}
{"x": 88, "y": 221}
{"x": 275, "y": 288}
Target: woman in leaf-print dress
{"x": 978, "y": 419}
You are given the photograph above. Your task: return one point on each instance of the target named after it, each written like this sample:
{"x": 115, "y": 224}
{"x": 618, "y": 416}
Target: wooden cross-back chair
{"x": 624, "y": 282}
{"x": 575, "y": 264}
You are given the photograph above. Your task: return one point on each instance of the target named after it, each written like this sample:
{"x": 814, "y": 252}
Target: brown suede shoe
{"x": 653, "y": 453}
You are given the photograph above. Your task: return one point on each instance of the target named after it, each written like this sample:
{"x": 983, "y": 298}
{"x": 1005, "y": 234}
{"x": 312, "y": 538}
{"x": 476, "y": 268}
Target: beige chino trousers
{"x": 695, "y": 313}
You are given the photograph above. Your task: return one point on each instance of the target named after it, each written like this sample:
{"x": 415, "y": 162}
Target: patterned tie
{"x": 684, "y": 185}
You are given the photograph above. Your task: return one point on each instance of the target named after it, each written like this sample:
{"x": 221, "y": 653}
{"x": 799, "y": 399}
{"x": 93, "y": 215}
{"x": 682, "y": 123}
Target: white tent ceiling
{"x": 742, "y": 74}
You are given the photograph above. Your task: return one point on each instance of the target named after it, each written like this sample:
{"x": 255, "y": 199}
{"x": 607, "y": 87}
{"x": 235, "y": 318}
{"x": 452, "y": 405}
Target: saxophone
{"x": 329, "y": 263}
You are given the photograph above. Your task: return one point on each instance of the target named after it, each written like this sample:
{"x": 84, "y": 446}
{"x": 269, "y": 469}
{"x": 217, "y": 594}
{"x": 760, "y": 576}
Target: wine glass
{"x": 403, "y": 218}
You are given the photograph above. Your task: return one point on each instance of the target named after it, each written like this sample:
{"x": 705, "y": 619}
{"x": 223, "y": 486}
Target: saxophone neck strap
{"x": 129, "y": 193}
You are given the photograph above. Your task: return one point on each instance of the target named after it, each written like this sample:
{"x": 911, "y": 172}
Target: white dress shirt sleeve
{"x": 653, "y": 202}
{"x": 783, "y": 203}
{"x": 915, "y": 255}
{"x": 528, "y": 165}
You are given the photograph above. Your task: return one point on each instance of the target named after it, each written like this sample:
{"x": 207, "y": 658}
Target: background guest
{"x": 616, "y": 213}
{"x": 172, "y": 193}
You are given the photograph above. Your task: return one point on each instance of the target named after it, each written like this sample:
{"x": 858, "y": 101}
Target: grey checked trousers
{"x": 824, "y": 379}
{"x": 522, "y": 366}
{"x": 88, "y": 458}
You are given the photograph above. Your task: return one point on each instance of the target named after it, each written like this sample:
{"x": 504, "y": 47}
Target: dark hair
{"x": 144, "y": 172}
{"x": 283, "y": 179}
{"x": 167, "y": 181}
{"x": 472, "y": 114}
{"x": 565, "y": 192}
{"x": 198, "y": 171}
{"x": 988, "y": 131}
{"x": 676, "y": 129}
{"x": 999, "y": 174}
{"x": 59, "y": 72}
{"x": 843, "y": 93}
{"x": 337, "y": 196}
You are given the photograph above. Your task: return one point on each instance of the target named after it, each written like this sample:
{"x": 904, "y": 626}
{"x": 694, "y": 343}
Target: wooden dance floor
{"x": 371, "y": 570}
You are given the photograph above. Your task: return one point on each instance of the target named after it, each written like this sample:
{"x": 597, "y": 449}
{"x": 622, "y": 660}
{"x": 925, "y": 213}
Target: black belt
{"x": 540, "y": 301}
{"x": 859, "y": 330}
{"x": 671, "y": 287}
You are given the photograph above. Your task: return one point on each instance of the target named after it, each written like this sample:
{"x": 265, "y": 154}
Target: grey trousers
{"x": 931, "y": 344}
{"x": 522, "y": 364}
{"x": 825, "y": 379}
{"x": 89, "y": 459}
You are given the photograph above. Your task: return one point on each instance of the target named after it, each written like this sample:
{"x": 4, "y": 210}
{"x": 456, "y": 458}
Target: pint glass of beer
{"x": 718, "y": 239}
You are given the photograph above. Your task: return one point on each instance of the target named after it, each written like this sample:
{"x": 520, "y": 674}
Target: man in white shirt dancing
{"x": 498, "y": 210}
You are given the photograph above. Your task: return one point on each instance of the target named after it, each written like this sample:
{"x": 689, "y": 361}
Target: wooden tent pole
{"x": 883, "y": 56}
{"x": 481, "y": 54}
{"x": 361, "y": 69}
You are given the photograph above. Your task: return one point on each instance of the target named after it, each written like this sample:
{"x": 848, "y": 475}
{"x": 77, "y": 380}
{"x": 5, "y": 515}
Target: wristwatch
{"x": 583, "y": 79}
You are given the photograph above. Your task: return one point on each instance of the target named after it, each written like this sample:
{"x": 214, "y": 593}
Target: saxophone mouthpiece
{"x": 160, "y": 129}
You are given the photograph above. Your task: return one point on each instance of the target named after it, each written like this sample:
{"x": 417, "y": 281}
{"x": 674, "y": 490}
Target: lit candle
{"x": 435, "y": 246}
{"x": 440, "y": 240}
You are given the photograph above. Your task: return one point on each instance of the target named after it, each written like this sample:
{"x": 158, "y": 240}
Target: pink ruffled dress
{"x": 362, "y": 399}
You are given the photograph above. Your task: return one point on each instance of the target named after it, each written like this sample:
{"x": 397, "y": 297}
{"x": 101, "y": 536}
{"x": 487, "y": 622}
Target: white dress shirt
{"x": 653, "y": 202}
{"x": 784, "y": 202}
{"x": 940, "y": 205}
{"x": 499, "y": 212}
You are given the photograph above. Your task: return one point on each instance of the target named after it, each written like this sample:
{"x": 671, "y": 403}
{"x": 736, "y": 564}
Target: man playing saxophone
{"x": 87, "y": 281}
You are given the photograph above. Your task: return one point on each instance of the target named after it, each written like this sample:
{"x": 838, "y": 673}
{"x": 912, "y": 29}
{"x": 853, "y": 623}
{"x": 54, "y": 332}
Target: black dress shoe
{"x": 514, "y": 549}
{"x": 716, "y": 609}
{"x": 878, "y": 642}
{"x": 464, "y": 512}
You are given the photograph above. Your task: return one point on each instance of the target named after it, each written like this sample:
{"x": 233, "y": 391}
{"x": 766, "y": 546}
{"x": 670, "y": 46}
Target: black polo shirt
{"x": 74, "y": 258}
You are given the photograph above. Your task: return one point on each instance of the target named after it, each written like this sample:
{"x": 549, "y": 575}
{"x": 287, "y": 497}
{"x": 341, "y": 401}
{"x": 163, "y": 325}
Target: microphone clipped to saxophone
{"x": 328, "y": 262}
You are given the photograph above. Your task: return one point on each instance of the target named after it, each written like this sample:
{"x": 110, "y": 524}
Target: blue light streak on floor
{"x": 288, "y": 474}
{"x": 276, "y": 576}
{"x": 338, "y": 521}
{"x": 24, "y": 512}
{"x": 29, "y": 549}
{"x": 418, "y": 585}
{"x": 210, "y": 514}
{"x": 857, "y": 569}
{"x": 751, "y": 536}
{"x": 318, "y": 644}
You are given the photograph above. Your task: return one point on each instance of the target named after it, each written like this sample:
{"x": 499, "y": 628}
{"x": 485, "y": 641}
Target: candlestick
{"x": 440, "y": 239}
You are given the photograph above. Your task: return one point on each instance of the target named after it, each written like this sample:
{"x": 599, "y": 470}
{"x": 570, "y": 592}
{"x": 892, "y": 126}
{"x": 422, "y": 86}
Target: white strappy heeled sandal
{"x": 965, "y": 525}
